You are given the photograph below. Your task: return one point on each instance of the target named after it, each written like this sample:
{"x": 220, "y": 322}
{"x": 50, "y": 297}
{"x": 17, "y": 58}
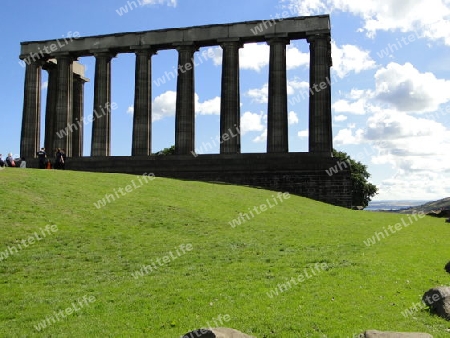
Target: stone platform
{"x": 301, "y": 174}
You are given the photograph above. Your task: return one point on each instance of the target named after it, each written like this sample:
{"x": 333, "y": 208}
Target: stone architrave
{"x": 277, "y": 115}
{"x": 185, "y": 105}
{"x": 320, "y": 133}
{"x": 31, "y": 117}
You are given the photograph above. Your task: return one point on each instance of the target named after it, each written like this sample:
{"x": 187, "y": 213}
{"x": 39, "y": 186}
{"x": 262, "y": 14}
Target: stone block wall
{"x": 301, "y": 174}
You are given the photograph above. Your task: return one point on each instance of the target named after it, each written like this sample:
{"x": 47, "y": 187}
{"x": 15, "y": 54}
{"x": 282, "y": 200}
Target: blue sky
{"x": 390, "y": 75}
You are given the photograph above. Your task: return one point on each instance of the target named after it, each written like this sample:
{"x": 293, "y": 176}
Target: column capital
{"x": 144, "y": 49}
{"x": 185, "y": 46}
{"x": 326, "y": 42}
{"x": 35, "y": 63}
{"x": 49, "y": 64}
{"x": 64, "y": 55}
{"x": 79, "y": 77}
{"x": 105, "y": 53}
{"x": 277, "y": 38}
{"x": 315, "y": 37}
{"x": 230, "y": 42}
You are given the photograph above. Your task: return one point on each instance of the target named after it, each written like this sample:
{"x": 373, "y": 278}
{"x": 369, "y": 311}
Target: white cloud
{"x": 303, "y": 133}
{"x": 429, "y": 18}
{"x": 259, "y": 95}
{"x": 340, "y": 118}
{"x": 346, "y": 136}
{"x": 416, "y": 148}
{"x": 252, "y": 122}
{"x": 292, "y": 118}
{"x": 392, "y": 126}
{"x": 307, "y": 7}
{"x": 164, "y": 105}
{"x": 294, "y": 85}
{"x": 170, "y": 3}
{"x": 350, "y": 58}
{"x": 130, "y": 110}
{"x": 254, "y": 56}
{"x": 44, "y": 85}
{"x": 296, "y": 58}
{"x": 406, "y": 89}
{"x": 261, "y": 138}
{"x": 416, "y": 185}
{"x": 216, "y": 55}
{"x": 209, "y": 107}
{"x": 344, "y": 106}
{"x": 356, "y": 102}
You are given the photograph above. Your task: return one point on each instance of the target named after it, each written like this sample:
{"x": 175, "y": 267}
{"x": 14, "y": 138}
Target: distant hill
{"x": 393, "y": 205}
{"x": 442, "y": 204}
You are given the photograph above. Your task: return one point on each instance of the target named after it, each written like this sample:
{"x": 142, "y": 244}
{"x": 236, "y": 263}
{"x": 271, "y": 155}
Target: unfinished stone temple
{"x": 303, "y": 173}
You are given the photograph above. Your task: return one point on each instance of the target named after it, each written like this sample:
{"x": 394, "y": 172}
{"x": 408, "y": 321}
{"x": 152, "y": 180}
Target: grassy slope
{"x": 228, "y": 272}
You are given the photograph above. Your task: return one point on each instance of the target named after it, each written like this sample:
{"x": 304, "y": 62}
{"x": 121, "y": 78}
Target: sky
{"x": 390, "y": 79}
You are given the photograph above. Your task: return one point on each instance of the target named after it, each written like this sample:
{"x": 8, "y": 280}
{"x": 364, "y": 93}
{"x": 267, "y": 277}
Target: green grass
{"x": 228, "y": 272}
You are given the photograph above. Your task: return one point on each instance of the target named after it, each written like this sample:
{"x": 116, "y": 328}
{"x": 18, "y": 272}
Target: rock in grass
{"x": 438, "y": 299}
{"x": 447, "y": 266}
{"x": 219, "y": 332}
{"x": 388, "y": 334}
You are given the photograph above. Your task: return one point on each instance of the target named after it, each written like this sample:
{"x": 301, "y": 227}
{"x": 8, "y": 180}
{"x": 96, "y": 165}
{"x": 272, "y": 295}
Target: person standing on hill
{"x": 2, "y": 163}
{"x": 10, "y": 161}
{"x": 59, "y": 161}
{"x": 42, "y": 155}
{"x": 63, "y": 159}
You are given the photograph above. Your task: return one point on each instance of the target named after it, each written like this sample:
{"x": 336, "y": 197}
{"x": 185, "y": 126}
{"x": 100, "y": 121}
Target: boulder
{"x": 389, "y": 334}
{"x": 219, "y": 332}
{"x": 447, "y": 267}
{"x": 438, "y": 299}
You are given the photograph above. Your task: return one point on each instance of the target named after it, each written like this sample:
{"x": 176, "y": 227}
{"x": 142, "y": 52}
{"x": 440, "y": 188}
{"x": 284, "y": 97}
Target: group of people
{"x": 11, "y": 162}
{"x": 45, "y": 163}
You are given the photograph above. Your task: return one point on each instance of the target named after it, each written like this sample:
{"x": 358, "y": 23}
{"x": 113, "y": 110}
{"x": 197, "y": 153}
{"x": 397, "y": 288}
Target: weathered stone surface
{"x": 301, "y": 174}
{"x": 294, "y": 28}
{"x": 219, "y": 332}
{"x": 389, "y": 334}
{"x": 438, "y": 299}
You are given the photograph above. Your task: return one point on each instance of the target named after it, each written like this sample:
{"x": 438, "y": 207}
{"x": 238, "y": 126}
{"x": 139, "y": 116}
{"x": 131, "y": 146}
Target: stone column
{"x": 142, "y": 117}
{"x": 101, "y": 126}
{"x": 277, "y": 115}
{"x": 230, "y": 112}
{"x": 30, "y": 134}
{"x": 320, "y": 133}
{"x": 78, "y": 115}
{"x": 185, "y": 106}
{"x": 50, "y": 109}
{"x": 64, "y": 97}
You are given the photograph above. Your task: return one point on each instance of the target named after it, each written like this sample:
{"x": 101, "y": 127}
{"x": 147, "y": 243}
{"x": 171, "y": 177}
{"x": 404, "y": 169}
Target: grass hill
{"x": 92, "y": 255}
